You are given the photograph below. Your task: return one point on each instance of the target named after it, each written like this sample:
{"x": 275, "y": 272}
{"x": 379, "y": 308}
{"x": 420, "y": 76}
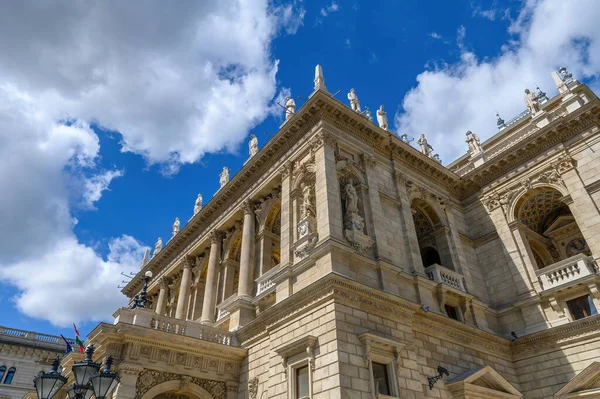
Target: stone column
{"x": 516, "y": 264}
{"x": 327, "y": 189}
{"x": 246, "y": 285}
{"x": 286, "y": 214}
{"x": 129, "y": 374}
{"x": 210, "y": 290}
{"x": 408, "y": 224}
{"x": 161, "y": 303}
{"x": 184, "y": 290}
{"x": 583, "y": 207}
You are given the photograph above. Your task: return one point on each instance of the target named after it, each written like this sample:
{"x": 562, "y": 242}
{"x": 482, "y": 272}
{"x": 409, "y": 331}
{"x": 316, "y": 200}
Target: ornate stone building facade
{"x": 23, "y": 354}
{"x": 341, "y": 262}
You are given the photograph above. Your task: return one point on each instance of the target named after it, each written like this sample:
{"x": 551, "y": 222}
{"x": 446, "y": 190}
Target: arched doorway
{"x": 183, "y": 388}
{"x": 549, "y": 226}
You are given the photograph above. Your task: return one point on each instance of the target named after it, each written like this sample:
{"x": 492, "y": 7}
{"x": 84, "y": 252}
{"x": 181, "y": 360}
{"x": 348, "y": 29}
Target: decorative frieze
{"x": 148, "y": 379}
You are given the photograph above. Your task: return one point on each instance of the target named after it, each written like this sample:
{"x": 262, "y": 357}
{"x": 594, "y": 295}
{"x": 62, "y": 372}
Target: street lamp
{"x": 139, "y": 301}
{"x": 48, "y": 384}
{"x": 89, "y": 380}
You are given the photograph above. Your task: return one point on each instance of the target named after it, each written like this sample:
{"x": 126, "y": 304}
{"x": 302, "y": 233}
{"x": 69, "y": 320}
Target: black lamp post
{"x": 89, "y": 380}
{"x": 48, "y": 384}
{"x": 140, "y": 300}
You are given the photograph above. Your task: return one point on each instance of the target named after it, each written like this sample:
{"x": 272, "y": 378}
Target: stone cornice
{"x": 556, "y": 337}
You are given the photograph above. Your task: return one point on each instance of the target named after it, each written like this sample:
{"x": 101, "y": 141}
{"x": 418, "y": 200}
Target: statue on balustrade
{"x": 473, "y": 142}
{"x": 382, "y": 118}
{"x": 158, "y": 246}
{"x": 253, "y": 145}
{"x": 224, "y": 176}
{"x": 176, "y": 227}
{"x": 354, "y": 103}
{"x": 198, "y": 204}
{"x": 531, "y": 100}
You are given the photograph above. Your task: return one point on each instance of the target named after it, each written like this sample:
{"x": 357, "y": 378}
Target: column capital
{"x": 164, "y": 281}
{"x": 247, "y": 207}
{"x": 216, "y": 236}
{"x": 188, "y": 262}
{"x": 286, "y": 169}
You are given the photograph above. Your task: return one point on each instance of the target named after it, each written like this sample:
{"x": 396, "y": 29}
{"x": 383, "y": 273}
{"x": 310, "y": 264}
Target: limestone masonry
{"x": 341, "y": 262}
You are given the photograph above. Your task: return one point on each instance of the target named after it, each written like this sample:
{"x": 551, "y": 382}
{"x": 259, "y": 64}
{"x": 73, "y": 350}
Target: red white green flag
{"x": 78, "y": 340}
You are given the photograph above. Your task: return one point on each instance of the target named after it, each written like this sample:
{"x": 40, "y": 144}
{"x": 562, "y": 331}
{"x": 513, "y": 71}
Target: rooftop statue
{"x": 224, "y": 176}
{"x": 290, "y": 107}
{"x": 354, "y": 103}
{"x": 474, "y": 143}
{"x": 531, "y": 100}
{"x": 198, "y": 204}
{"x": 158, "y": 246}
{"x": 176, "y": 227}
{"x": 422, "y": 142}
{"x": 253, "y": 145}
{"x": 368, "y": 114}
{"x": 382, "y": 118}
{"x": 404, "y": 138}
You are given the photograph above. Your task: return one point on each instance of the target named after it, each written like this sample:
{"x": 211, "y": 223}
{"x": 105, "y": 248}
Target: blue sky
{"x": 158, "y": 101}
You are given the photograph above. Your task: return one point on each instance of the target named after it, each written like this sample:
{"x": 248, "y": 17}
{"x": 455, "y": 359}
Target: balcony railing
{"x": 440, "y": 274}
{"x": 147, "y": 318}
{"x": 567, "y": 271}
{"x": 265, "y": 282}
{"x": 33, "y": 336}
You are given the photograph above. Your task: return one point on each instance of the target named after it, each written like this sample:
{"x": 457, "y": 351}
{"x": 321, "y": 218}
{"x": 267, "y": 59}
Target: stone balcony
{"x": 567, "y": 272}
{"x": 265, "y": 283}
{"x": 440, "y": 274}
{"x": 148, "y": 319}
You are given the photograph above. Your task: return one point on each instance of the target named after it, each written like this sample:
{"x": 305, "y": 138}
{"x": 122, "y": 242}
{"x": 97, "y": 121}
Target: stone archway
{"x": 152, "y": 383}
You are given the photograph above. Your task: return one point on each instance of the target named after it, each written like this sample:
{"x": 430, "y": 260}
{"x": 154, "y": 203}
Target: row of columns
{"x": 246, "y": 283}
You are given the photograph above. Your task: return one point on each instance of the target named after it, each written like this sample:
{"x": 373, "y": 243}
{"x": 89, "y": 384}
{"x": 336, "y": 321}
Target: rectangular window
{"x": 302, "y": 382}
{"x": 452, "y": 312}
{"x": 380, "y": 375}
{"x": 582, "y": 307}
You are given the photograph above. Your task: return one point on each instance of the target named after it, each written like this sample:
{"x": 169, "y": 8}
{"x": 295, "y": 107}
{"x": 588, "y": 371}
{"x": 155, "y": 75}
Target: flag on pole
{"x": 78, "y": 340}
{"x": 69, "y": 347}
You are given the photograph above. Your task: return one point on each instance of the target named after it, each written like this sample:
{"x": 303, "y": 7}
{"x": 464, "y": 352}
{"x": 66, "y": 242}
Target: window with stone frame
{"x": 381, "y": 357}
{"x": 298, "y": 361}
{"x": 453, "y": 312}
{"x": 581, "y": 307}
{"x": 10, "y": 375}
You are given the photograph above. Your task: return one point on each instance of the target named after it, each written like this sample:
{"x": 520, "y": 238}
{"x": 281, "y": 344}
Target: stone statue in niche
{"x": 351, "y": 198}
{"x": 198, "y": 204}
{"x": 354, "y": 103}
{"x": 158, "y": 246}
{"x": 382, "y": 118}
{"x": 176, "y": 227}
{"x": 354, "y": 223}
{"x": 224, "y": 176}
{"x": 473, "y": 142}
{"x": 306, "y": 209}
{"x": 531, "y": 100}
{"x": 253, "y": 145}
{"x": 307, "y": 225}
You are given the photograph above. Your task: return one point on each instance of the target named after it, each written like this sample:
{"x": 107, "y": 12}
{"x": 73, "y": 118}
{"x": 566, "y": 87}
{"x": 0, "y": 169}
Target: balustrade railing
{"x": 265, "y": 282}
{"x": 440, "y": 274}
{"x": 147, "y": 318}
{"x": 33, "y": 336}
{"x": 567, "y": 271}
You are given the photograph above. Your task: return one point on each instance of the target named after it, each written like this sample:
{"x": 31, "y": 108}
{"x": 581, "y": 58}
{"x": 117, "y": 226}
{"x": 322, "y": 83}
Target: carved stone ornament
{"x": 286, "y": 169}
{"x": 247, "y": 207}
{"x": 253, "y": 387}
{"x": 359, "y": 241}
{"x": 564, "y": 164}
{"x": 150, "y": 378}
{"x": 215, "y": 236}
{"x": 369, "y": 160}
{"x": 322, "y": 138}
{"x": 492, "y": 201}
{"x": 307, "y": 236}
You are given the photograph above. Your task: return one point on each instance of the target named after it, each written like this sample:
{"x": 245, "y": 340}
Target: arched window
{"x": 430, "y": 256}
{"x": 2, "y": 371}
{"x": 10, "y": 375}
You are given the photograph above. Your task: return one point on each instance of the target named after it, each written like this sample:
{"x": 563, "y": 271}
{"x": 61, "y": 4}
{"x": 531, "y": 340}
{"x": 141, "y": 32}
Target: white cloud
{"x": 95, "y": 185}
{"x": 435, "y": 35}
{"x": 166, "y": 87}
{"x": 488, "y": 14}
{"x": 449, "y": 100}
{"x": 333, "y": 7}
{"x": 291, "y": 16}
